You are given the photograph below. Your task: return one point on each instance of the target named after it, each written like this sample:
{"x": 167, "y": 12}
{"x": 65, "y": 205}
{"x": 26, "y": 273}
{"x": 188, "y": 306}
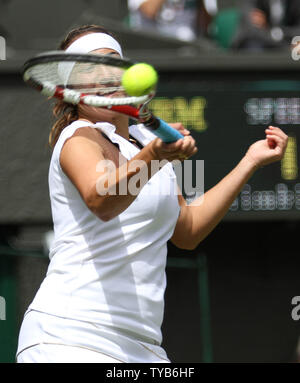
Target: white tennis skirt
{"x": 46, "y": 338}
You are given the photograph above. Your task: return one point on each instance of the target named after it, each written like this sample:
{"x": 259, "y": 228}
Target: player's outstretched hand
{"x": 269, "y": 150}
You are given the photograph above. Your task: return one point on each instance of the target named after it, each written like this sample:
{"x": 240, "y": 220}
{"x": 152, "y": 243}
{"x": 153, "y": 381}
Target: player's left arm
{"x": 199, "y": 218}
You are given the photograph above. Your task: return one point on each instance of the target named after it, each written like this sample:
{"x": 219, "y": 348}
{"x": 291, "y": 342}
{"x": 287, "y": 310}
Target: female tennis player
{"x": 102, "y": 299}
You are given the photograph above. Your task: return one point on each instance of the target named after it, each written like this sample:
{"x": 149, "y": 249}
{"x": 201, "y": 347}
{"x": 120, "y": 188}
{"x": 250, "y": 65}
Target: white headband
{"x": 93, "y": 41}
{"x": 87, "y": 44}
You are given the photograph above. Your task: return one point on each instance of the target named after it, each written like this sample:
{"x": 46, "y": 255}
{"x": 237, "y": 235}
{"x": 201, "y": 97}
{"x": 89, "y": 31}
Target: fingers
{"x": 277, "y": 144}
{"x": 276, "y": 138}
{"x": 271, "y": 143}
{"x": 277, "y": 141}
{"x": 180, "y": 127}
{"x": 171, "y": 147}
{"x": 188, "y": 147}
{"x": 181, "y": 149}
{"x": 271, "y": 130}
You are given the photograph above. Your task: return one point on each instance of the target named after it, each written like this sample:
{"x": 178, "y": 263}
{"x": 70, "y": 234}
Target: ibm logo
{"x": 2, "y": 48}
{"x": 2, "y": 309}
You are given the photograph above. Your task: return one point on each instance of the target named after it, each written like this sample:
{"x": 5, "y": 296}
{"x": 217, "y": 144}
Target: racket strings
{"x": 96, "y": 84}
{"x": 85, "y": 78}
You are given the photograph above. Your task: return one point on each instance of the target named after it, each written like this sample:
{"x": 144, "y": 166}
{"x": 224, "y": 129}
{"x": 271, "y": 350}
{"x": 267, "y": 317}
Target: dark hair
{"x": 64, "y": 112}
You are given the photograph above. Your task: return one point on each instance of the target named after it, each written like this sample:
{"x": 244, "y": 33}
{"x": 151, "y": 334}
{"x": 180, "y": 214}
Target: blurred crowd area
{"x": 239, "y": 25}
{"x": 248, "y": 25}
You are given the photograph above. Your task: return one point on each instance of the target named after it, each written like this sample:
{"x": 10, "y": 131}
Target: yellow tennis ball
{"x": 139, "y": 79}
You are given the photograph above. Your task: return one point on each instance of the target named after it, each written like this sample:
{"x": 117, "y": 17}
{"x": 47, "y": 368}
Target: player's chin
{"x": 97, "y": 114}
{"x": 113, "y": 116}
{"x": 107, "y": 115}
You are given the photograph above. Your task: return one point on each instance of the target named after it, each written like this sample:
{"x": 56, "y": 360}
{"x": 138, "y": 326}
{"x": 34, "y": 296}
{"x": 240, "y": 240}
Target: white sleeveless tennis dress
{"x": 103, "y": 295}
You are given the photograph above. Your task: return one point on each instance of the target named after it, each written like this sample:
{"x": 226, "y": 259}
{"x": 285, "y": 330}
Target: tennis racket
{"x": 93, "y": 80}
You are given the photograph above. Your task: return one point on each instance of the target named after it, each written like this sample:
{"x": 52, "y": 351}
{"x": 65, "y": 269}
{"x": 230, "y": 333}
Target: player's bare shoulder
{"x": 109, "y": 150}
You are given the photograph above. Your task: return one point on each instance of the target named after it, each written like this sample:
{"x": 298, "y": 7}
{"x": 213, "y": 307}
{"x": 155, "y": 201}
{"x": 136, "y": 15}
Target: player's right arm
{"x": 82, "y": 154}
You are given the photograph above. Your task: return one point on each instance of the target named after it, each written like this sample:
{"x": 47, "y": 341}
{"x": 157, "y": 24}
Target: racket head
{"x": 90, "y": 79}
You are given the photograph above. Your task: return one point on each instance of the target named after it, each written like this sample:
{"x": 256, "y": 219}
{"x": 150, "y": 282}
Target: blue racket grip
{"x": 164, "y": 131}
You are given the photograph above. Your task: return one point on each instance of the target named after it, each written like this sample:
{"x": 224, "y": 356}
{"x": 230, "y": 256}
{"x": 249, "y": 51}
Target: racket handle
{"x": 162, "y": 130}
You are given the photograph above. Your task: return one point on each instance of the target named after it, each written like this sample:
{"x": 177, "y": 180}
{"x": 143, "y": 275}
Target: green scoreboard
{"x": 226, "y": 113}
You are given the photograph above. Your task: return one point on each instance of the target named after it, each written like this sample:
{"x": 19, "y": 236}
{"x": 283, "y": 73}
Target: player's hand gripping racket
{"x": 93, "y": 80}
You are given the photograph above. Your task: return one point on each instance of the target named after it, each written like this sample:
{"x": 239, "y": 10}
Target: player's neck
{"x": 120, "y": 121}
